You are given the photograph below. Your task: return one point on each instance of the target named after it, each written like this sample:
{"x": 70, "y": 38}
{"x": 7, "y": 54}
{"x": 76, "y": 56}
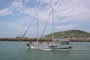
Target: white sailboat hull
{"x": 48, "y": 46}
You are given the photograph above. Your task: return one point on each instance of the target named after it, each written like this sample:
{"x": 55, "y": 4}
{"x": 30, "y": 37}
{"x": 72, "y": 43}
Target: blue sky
{"x": 16, "y": 15}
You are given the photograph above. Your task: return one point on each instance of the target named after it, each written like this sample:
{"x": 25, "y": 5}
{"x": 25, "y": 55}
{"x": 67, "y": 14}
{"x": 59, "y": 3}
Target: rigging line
{"x": 56, "y": 2}
{"x": 45, "y": 25}
{"x": 61, "y": 2}
{"x": 28, "y": 27}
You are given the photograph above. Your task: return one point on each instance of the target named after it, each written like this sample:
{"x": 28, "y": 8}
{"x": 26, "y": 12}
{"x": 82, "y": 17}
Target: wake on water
{"x": 71, "y": 49}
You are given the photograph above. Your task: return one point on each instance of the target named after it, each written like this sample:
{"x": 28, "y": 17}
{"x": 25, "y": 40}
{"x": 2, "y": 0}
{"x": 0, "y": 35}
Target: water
{"x": 19, "y": 51}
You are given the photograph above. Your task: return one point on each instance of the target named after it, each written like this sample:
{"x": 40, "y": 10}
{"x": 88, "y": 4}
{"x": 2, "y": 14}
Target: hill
{"x": 70, "y": 34}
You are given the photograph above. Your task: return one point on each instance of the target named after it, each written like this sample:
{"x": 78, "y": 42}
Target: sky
{"x": 16, "y": 15}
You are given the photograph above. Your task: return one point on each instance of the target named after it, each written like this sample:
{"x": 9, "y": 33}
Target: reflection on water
{"x": 19, "y": 51}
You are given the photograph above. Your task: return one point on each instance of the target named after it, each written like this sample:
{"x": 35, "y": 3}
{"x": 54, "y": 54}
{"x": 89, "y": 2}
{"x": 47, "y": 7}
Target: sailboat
{"x": 49, "y": 45}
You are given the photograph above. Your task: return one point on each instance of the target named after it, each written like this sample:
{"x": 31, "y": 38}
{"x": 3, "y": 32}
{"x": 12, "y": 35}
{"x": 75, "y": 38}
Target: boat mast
{"x": 52, "y": 23}
{"x": 53, "y": 18}
{"x": 37, "y": 28}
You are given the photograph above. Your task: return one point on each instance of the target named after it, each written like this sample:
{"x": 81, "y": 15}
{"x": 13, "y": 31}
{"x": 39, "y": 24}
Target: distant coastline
{"x": 33, "y": 39}
{"x": 75, "y": 34}
{"x": 72, "y": 35}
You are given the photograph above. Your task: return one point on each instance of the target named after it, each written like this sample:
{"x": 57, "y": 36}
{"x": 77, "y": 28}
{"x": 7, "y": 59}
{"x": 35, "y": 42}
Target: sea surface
{"x": 19, "y": 51}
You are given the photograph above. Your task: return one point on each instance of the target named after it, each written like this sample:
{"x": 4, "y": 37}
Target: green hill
{"x": 70, "y": 33}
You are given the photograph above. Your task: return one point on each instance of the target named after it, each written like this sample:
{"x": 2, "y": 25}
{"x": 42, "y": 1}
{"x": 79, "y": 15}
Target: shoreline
{"x": 34, "y": 39}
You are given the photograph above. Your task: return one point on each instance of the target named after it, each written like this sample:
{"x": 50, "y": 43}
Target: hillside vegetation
{"x": 70, "y": 34}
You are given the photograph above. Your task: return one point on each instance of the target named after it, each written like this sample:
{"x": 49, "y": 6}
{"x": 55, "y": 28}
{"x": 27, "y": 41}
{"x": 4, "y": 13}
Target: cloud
{"x": 66, "y": 27}
{"x": 67, "y": 8}
{"x": 17, "y": 4}
{"x": 6, "y": 11}
{"x": 68, "y": 14}
{"x": 64, "y": 10}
